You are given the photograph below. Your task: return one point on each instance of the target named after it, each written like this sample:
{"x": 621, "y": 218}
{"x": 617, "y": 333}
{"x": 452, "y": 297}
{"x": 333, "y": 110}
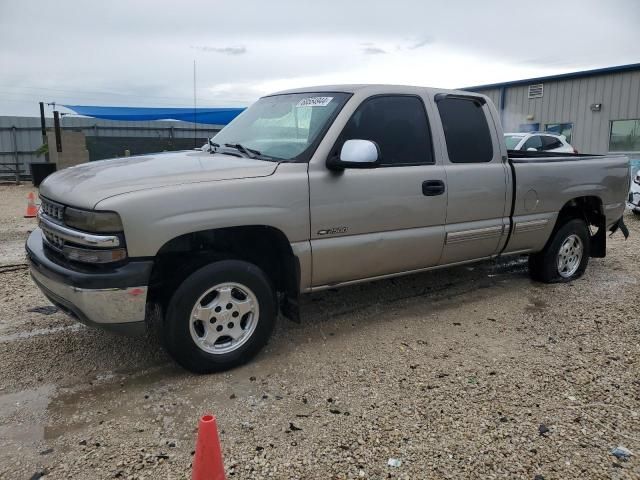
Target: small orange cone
{"x": 32, "y": 209}
{"x": 207, "y": 463}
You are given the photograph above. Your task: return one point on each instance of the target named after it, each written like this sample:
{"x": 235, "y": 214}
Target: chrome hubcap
{"x": 224, "y": 318}
{"x": 570, "y": 256}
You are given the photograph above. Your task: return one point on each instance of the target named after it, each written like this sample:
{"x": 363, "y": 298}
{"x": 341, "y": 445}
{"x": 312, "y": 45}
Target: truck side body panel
{"x": 545, "y": 185}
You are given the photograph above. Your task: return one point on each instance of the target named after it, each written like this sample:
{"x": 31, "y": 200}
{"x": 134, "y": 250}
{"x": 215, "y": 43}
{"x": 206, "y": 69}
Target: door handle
{"x": 431, "y": 188}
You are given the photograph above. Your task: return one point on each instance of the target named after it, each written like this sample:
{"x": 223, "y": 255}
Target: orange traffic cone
{"x": 207, "y": 463}
{"x": 32, "y": 210}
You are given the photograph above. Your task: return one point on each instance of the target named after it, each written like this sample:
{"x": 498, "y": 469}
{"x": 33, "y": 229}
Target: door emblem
{"x": 332, "y": 231}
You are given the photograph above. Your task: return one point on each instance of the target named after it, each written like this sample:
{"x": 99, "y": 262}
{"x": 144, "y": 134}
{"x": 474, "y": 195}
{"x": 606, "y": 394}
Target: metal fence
{"x": 20, "y": 137}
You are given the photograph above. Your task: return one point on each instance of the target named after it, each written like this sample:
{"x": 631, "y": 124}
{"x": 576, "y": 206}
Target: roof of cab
{"x": 353, "y": 88}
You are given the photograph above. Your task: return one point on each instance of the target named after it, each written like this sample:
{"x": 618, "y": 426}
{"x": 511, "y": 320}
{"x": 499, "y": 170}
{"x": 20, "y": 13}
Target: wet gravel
{"x": 472, "y": 372}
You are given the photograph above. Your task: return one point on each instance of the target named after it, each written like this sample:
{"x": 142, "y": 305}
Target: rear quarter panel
{"x": 545, "y": 185}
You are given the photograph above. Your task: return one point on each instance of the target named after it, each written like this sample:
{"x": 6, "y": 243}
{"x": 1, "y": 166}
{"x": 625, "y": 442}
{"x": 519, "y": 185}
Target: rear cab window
{"x": 466, "y": 129}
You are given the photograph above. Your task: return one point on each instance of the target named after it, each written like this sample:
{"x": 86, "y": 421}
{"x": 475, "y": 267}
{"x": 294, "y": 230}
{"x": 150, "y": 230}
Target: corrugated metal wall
{"x": 22, "y": 134}
{"x": 569, "y": 101}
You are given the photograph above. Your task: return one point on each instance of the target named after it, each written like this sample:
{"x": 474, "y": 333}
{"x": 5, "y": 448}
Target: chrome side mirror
{"x": 356, "y": 154}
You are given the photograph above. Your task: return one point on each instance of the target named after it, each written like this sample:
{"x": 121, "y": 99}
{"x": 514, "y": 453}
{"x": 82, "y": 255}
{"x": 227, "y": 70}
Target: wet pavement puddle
{"x": 12, "y": 337}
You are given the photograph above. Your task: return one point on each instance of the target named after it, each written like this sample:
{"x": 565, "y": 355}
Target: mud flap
{"x": 619, "y": 225}
{"x": 290, "y": 308}
{"x": 599, "y": 242}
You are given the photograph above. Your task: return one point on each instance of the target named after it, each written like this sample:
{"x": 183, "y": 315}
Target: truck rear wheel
{"x": 566, "y": 255}
{"x": 220, "y": 316}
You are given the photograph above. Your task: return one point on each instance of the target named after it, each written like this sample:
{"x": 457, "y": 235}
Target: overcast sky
{"x": 141, "y": 53}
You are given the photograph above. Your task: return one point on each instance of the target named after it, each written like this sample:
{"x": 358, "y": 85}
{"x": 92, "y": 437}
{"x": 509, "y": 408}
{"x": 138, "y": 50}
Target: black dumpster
{"x": 40, "y": 171}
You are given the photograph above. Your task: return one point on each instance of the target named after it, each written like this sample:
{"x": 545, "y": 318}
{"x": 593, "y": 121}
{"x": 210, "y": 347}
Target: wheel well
{"x": 264, "y": 246}
{"x": 590, "y": 210}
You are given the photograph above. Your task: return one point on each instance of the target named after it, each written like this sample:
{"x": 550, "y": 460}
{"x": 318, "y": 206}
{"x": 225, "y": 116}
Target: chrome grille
{"x": 52, "y": 239}
{"x": 52, "y": 209}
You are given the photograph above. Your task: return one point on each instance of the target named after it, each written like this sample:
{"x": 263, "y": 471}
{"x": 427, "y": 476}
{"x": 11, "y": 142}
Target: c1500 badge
{"x": 332, "y": 231}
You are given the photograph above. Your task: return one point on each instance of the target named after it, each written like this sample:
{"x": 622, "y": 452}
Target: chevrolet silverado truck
{"x": 307, "y": 190}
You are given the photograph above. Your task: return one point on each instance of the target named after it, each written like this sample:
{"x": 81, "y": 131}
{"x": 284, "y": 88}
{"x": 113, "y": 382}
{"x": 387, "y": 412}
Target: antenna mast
{"x": 195, "y": 125}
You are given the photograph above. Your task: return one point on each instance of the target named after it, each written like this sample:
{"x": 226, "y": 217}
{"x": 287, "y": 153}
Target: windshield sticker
{"x": 314, "y": 102}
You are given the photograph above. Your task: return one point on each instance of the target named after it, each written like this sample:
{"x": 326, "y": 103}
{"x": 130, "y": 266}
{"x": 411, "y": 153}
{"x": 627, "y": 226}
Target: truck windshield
{"x": 282, "y": 127}
{"x": 512, "y": 141}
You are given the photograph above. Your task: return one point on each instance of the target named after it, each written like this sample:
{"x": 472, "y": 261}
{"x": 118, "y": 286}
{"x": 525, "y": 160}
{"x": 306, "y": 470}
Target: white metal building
{"x": 597, "y": 110}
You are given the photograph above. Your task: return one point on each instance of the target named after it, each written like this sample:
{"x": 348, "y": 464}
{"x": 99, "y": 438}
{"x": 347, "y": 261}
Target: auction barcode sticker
{"x": 314, "y": 102}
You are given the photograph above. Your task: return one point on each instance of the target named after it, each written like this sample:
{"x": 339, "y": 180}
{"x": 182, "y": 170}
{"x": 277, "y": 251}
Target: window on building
{"x": 465, "y": 130}
{"x": 565, "y": 129}
{"x": 533, "y": 142}
{"x": 549, "y": 142}
{"x": 625, "y": 136}
{"x": 398, "y": 124}
{"x": 529, "y": 127}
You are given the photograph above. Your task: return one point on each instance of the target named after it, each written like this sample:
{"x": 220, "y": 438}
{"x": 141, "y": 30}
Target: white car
{"x": 538, "y": 142}
{"x": 634, "y": 194}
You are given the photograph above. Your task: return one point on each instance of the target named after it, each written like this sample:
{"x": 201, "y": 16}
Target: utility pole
{"x": 43, "y": 128}
{"x": 56, "y": 126}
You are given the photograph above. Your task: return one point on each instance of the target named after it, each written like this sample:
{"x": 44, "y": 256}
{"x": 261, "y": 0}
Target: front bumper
{"x": 114, "y": 300}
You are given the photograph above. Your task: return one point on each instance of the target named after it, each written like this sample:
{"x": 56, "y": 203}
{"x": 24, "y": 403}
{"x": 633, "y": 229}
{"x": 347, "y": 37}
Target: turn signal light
{"x": 86, "y": 255}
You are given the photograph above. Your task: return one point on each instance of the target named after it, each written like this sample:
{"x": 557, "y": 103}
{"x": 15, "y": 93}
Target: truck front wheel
{"x": 220, "y": 316}
{"x": 565, "y": 256}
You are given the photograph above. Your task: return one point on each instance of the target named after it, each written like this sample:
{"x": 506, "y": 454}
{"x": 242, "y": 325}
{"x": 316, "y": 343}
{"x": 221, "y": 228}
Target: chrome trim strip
{"x": 75, "y": 236}
{"x": 392, "y": 275}
{"x": 475, "y": 234}
{"x": 531, "y": 225}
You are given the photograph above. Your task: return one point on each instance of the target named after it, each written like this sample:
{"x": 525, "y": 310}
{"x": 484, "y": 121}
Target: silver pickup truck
{"x": 306, "y": 190}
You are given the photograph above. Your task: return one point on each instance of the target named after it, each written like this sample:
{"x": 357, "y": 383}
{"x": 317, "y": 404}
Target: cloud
{"x": 421, "y": 43}
{"x": 133, "y": 53}
{"x": 236, "y": 50}
{"x": 373, "y": 51}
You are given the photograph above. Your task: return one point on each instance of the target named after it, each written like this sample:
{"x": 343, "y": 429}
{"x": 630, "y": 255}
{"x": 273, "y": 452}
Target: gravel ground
{"x": 472, "y": 372}
{"x": 13, "y": 226}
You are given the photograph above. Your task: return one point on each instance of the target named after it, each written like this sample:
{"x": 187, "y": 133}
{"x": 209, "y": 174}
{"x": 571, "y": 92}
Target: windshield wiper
{"x": 249, "y": 152}
{"x": 213, "y": 146}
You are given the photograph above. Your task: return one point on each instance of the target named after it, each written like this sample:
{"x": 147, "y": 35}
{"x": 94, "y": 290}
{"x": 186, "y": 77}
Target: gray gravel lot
{"x": 473, "y": 372}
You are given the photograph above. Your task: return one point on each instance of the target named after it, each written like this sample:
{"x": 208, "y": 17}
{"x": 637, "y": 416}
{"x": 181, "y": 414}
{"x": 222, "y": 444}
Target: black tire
{"x": 177, "y": 336}
{"x": 636, "y": 212}
{"x": 543, "y": 266}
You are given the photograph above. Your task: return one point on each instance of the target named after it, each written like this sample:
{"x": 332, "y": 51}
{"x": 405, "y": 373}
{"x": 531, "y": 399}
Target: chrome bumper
{"x": 97, "y": 306}
{"x": 114, "y": 301}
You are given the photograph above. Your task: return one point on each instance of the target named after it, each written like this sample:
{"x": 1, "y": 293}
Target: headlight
{"x": 637, "y": 179}
{"x": 92, "y": 221}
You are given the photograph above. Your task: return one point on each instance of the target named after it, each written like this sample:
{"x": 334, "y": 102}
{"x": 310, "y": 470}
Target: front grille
{"x": 52, "y": 239}
{"x": 52, "y": 209}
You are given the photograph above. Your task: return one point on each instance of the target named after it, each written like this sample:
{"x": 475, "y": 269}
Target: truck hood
{"x": 85, "y": 185}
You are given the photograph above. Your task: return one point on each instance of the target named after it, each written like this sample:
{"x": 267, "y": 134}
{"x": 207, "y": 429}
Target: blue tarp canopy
{"x": 211, "y": 116}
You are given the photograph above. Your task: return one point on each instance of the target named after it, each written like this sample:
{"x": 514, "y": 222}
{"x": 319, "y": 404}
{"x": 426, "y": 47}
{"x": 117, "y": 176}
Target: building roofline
{"x": 563, "y": 76}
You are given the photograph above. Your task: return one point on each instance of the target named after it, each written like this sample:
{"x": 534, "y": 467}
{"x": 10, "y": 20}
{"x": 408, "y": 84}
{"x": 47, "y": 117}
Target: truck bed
{"x": 545, "y": 182}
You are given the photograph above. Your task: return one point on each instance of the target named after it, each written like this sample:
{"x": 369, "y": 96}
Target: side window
{"x": 533, "y": 142}
{"x": 466, "y": 130}
{"x": 398, "y": 124}
{"x": 549, "y": 143}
